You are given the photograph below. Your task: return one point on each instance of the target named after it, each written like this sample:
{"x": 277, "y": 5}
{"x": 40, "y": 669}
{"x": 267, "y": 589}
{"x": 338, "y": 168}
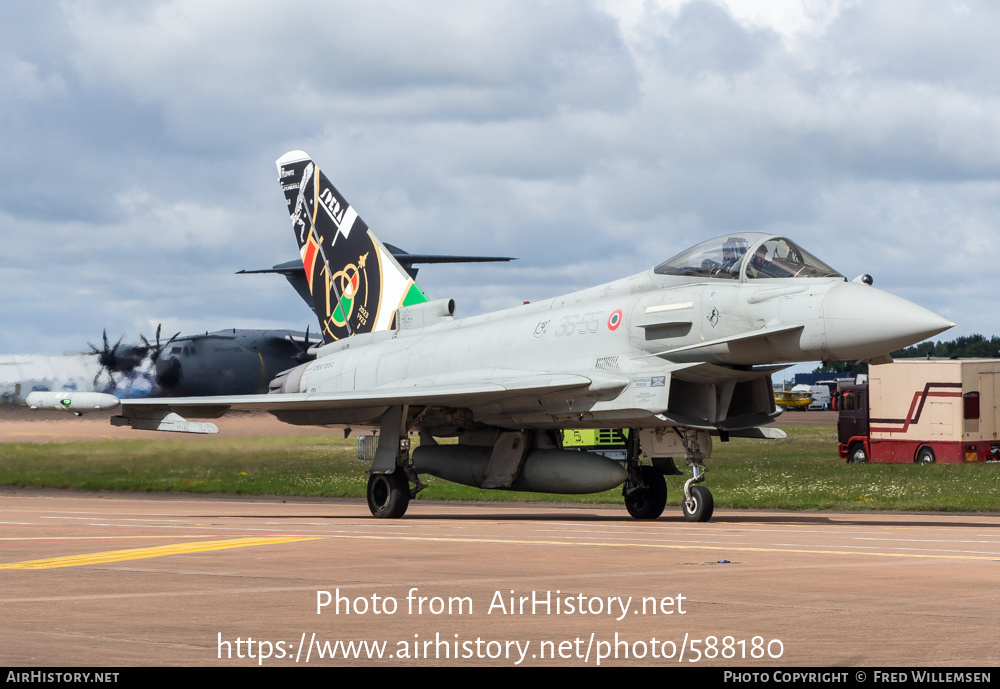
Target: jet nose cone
{"x": 863, "y": 322}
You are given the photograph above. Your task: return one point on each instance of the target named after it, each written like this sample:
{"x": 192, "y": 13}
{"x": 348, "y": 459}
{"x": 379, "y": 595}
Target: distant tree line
{"x": 961, "y": 347}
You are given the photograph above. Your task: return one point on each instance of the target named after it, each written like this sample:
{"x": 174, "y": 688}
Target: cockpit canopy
{"x": 745, "y": 255}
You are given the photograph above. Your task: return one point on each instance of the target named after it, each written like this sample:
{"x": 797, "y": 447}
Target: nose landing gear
{"x": 698, "y": 505}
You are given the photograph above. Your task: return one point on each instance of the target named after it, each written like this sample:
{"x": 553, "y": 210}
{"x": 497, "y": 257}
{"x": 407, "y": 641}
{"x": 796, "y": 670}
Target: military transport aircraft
{"x": 236, "y": 361}
{"x": 678, "y": 354}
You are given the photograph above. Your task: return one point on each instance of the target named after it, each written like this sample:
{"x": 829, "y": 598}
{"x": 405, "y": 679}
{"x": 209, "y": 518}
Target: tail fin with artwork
{"x": 356, "y": 284}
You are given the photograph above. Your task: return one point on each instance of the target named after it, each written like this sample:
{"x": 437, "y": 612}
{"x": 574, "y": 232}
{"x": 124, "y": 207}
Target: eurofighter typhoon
{"x": 676, "y": 355}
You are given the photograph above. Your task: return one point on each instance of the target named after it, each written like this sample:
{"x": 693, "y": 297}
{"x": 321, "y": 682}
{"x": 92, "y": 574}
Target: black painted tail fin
{"x": 356, "y": 284}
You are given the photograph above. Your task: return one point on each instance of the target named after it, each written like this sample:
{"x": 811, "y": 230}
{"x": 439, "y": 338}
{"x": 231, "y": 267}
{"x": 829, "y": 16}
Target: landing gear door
{"x": 667, "y": 442}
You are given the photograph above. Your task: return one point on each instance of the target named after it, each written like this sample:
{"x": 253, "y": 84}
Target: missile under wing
{"x": 679, "y": 354}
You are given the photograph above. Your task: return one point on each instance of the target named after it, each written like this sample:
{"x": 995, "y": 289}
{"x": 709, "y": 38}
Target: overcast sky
{"x": 590, "y": 139}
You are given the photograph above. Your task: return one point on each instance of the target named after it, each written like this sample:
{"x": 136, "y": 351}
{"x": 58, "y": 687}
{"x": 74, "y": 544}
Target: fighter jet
{"x": 679, "y": 354}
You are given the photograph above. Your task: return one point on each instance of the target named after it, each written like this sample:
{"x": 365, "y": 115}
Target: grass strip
{"x": 801, "y": 472}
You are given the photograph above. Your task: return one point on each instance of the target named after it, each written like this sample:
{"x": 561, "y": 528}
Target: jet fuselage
{"x": 630, "y": 337}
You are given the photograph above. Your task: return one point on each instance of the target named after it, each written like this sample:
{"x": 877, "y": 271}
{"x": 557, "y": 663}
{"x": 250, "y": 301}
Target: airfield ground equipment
{"x": 923, "y": 411}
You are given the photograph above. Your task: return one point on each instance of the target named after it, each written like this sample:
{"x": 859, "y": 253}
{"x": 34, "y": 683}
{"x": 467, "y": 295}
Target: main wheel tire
{"x": 701, "y": 506}
{"x": 856, "y": 454}
{"x": 648, "y": 500}
{"x": 925, "y": 455}
{"x": 388, "y": 494}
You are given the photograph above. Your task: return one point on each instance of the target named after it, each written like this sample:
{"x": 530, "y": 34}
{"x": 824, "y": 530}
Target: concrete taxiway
{"x": 113, "y": 580}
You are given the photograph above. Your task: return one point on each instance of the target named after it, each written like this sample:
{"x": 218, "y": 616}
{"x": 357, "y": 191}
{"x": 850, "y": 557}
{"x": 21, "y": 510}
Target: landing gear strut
{"x": 697, "y": 504}
{"x": 392, "y": 471}
{"x": 645, "y": 490}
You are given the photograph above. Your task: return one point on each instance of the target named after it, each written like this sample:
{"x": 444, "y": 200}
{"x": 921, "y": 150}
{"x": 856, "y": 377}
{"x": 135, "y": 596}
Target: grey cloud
{"x": 703, "y": 37}
{"x": 447, "y": 60}
{"x": 949, "y": 43}
{"x": 141, "y": 142}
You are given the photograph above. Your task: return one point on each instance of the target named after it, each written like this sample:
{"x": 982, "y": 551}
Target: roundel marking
{"x": 615, "y": 319}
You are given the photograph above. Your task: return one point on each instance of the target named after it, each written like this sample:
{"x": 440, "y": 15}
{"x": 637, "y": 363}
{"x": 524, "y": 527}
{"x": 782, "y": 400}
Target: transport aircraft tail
{"x": 356, "y": 284}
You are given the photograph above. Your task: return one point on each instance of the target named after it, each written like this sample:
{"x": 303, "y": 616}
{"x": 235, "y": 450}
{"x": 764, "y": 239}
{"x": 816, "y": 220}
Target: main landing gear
{"x": 392, "y": 471}
{"x": 388, "y": 494}
{"x": 645, "y": 495}
{"x": 645, "y": 491}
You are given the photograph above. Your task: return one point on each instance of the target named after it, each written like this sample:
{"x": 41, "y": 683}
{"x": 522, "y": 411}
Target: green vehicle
{"x": 611, "y": 443}
{"x": 603, "y": 441}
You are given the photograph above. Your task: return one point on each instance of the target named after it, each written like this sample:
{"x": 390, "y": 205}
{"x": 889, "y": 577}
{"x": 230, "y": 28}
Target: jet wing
{"x": 476, "y": 388}
{"x": 415, "y": 392}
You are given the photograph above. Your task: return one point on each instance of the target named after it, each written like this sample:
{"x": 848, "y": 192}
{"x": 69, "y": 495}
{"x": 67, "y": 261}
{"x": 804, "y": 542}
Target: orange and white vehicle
{"x": 922, "y": 410}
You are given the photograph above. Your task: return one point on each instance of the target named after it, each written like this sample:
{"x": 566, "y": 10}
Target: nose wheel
{"x": 697, "y": 504}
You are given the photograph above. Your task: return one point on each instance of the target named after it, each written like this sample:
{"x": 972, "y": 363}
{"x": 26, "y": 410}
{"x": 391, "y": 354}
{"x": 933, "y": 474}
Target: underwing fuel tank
{"x": 543, "y": 471}
{"x": 78, "y": 402}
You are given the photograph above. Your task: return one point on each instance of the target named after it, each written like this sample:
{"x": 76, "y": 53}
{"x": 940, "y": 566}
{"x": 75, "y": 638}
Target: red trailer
{"x": 922, "y": 410}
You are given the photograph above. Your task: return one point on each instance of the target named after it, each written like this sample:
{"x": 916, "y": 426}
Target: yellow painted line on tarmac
{"x": 160, "y": 537}
{"x": 717, "y": 548}
{"x": 152, "y": 551}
